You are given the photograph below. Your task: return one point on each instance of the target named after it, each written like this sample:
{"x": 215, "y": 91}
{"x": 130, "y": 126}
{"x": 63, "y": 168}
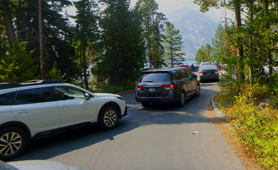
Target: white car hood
{"x": 41, "y": 165}
{"x": 105, "y": 94}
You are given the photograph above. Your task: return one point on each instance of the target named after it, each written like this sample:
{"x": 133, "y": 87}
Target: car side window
{"x": 68, "y": 93}
{"x": 184, "y": 74}
{"x": 7, "y": 98}
{"x": 189, "y": 73}
{"x": 36, "y": 95}
{"x": 177, "y": 76}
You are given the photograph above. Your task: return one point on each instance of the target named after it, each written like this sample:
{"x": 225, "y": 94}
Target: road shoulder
{"x": 239, "y": 150}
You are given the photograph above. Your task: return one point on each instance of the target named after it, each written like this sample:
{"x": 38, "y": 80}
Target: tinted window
{"x": 189, "y": 73}
{"x": 177, "y": 76}
{"x": 36, "y": 95}
{"x": 155, "y": 77}
{"x": 184, "y": 74}
{"x": 207, "y": 67}
{"x": 6, "y": 99}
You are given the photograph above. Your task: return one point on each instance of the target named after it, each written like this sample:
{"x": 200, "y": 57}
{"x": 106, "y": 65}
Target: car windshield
{"x": 155, "y": 77}
{"x": 207, "y": 67}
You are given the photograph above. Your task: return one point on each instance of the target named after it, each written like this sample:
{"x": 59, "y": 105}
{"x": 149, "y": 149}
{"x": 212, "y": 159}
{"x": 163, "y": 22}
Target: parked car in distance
{"x": 166, "y": 85}
{"x": 186, "y": 66}
{"x": 207, "y": 73}
{"x": 204, "y": 63}
{"x": 41, "y": 108}
{"x": 35, "y": 165}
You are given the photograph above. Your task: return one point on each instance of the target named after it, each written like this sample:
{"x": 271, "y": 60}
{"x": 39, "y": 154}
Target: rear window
{"x": 155, "y": 77}
{"x": 207, "y": 67}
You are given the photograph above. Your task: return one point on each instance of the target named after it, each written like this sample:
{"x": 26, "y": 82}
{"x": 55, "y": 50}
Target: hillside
{"x": 195, "y": 27}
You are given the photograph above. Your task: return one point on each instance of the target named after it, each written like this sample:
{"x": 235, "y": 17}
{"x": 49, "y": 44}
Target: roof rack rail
{"x": 27, "y": 83}
{"x": 43, "y": 81}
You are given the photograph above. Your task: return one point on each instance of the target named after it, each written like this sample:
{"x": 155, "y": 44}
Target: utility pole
{"x": 40, "y": 39}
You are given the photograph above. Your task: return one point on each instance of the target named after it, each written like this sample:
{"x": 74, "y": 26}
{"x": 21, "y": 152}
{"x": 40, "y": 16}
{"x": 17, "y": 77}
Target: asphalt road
{"x": 155, "y": 138}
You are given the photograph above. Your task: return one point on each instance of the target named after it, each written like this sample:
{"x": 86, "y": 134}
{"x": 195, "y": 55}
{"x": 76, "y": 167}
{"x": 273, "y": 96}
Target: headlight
{"x": 120, "y": 97}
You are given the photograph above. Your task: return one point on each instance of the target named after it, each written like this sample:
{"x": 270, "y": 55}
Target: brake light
{"x": 201, "y": 72}
{"x": 215, "y": 71}
{"x": 153, "y": 71}
{"x": 167, "y": 87}
{"x": 138, "y": 87}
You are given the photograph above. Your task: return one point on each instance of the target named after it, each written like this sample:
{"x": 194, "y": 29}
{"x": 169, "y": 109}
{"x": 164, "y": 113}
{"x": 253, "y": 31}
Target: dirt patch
{"x": 238, "y": 149}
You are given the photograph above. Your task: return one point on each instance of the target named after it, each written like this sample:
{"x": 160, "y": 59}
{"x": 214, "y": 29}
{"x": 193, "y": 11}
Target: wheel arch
{"x": 19, "y": 125}
{"x": 109, "y": 104}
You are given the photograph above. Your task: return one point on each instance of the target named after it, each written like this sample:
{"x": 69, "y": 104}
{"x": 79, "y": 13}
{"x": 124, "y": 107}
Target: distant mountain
{"x": 195, "y": 27}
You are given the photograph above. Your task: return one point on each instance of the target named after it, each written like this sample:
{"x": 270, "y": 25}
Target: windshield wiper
{"x": 148, "y": 81}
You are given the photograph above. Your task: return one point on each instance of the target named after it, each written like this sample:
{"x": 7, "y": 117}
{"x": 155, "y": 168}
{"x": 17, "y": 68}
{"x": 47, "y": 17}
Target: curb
{"x": 215, "y": 109}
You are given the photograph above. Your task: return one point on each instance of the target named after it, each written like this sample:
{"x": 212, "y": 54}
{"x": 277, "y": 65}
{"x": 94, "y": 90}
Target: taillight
{"x": 201, "y": 72}
{"x": 167, "y": 87}
{"x": 138, "y": 87}
{"x": 215, "y": 71}
{"x": 153, "y": 71}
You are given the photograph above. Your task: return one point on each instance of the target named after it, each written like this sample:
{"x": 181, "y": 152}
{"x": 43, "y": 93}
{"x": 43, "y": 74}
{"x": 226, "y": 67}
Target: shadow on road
{"x": 167, "y": 114}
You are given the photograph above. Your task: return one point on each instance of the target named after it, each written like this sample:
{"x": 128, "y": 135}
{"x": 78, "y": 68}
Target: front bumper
{"x": 125, "y": 112}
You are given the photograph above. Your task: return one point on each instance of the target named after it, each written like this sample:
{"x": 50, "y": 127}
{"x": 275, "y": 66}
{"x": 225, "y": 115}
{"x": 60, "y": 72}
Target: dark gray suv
{"x": 166, "y": 85}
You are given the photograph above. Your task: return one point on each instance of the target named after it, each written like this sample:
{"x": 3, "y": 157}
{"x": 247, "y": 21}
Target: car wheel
{"x": 13, "y": 141}
{"x": 145, "y": 104}
{"x": 198, "y": 90}
{"x": 108, "y": 118}
{"x": 182, "y": 99}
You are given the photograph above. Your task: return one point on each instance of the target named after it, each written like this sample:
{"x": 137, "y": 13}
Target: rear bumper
{"x": 167, "y": 99}
{"x": 212, "y": 77}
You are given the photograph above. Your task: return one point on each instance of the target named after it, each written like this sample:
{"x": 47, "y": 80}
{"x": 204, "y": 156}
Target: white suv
{"x": 42, "y": 108}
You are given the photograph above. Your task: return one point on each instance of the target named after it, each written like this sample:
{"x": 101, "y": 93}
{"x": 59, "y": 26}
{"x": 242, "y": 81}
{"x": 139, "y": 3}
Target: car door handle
{"x": 64, "y": 106}
{"x": 22, "y": 112}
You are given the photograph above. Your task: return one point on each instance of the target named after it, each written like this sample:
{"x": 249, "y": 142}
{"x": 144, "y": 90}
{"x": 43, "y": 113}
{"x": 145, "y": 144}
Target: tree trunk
{"x": 269, "y": 51}
{"x": 239, "y": 41}
{"x": 8, "y": 23}
{"x": 250, "y": 46}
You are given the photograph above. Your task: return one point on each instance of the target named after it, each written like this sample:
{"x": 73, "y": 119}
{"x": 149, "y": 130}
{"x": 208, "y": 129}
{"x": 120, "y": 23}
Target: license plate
{"x": 151, "y": 89}
{"x": 208, "y": 73}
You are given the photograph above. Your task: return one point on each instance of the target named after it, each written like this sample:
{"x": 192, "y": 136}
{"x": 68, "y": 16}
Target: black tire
{"x": 145, "y": 104}
{"x": 13, "y": 141}
{"x": 108, "y": 118}
{"x": 198, "y": 90}
{"x": 182, "y": 99}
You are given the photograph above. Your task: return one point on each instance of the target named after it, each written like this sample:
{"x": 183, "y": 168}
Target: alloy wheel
{"x": 10, "y": 143}
{"x": 110, "y": 118}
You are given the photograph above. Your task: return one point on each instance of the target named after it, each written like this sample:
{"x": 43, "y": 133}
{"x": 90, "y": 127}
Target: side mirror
{"x": 87, "y": 96}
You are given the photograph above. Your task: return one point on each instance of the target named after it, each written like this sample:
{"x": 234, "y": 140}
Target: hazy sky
{"x": 168, "y": 6}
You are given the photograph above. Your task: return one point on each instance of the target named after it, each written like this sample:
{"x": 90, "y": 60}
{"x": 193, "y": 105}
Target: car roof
{"x": 166, "y": 69}
{"x": 28, "y": 83}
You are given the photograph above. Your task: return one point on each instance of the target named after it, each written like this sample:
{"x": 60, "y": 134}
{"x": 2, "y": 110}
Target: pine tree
{"x": 172, "y": 45}
{"x": 122, "y": 41}
{"x": 152, "y": 25}
{"x": 86, "y": 30}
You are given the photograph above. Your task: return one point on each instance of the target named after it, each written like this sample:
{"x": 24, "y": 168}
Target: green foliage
{"x": 204, "y": 54}
{"x": 152, "y": 28}
{"x": 123, "y": 43}
{"x": 56, "y": 74}
{"x": 172, "y": 45}
{"x": 17, "y": 65}
{"x": 257, "y": 129}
